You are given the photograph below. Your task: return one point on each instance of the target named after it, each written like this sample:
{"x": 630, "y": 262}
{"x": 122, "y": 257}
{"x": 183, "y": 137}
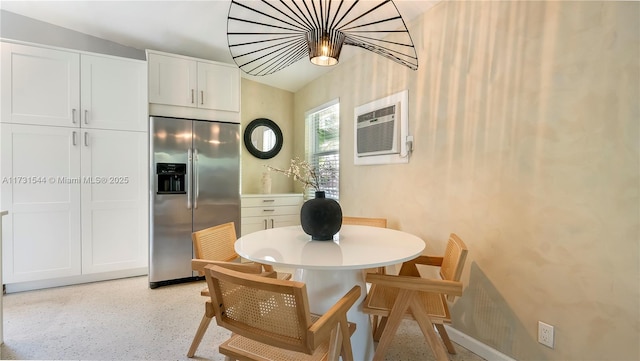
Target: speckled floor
{"x": 125, "y": 320}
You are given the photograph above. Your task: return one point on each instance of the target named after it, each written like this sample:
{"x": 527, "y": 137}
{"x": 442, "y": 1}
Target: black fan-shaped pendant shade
{"x": 267, "y": 36}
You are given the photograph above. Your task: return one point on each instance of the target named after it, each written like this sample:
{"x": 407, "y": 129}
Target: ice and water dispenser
{"x": 171, "y": 178}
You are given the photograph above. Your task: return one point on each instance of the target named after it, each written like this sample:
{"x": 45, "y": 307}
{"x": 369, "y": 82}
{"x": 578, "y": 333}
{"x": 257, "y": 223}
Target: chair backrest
{"x": 361, "y": 221}
{"x": 372, "y": 222}
{"x": 215, "y": 243}
{"x": 453, "y": 260}
{"x": 271, "y": 311}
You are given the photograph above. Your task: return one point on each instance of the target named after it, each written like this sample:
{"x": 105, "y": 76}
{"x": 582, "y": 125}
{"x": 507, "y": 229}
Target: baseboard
{"x": 74, "y": 280}
{"x": 475, "y": 346}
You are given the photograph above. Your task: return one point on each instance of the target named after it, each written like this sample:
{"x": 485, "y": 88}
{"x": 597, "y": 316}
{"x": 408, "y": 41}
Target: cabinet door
{"x": 41, "y": 190}
{"x": 114, "y": 200}
{"x": 40, "y": 86}
{"x": 253, "y": 224}
{"x": 218, "y": 87}
{"x": 284, "y": 221}
{"x": 172, "y": 80}
{"x": 113, "y": 93}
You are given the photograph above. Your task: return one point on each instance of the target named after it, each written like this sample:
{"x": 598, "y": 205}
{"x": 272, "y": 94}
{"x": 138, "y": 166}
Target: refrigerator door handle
{"x": 188, "y": 181}
{"x": 196, "y": 178}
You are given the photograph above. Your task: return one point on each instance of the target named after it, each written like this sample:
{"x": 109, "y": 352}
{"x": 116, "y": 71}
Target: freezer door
{"x": 216, "y": 174}
{"x": 170, "y": 248}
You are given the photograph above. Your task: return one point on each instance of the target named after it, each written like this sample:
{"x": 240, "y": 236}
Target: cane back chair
{"x": 216, "y": 245}
{"x": 270, "y": 319}
{"x": 408, "y": 295}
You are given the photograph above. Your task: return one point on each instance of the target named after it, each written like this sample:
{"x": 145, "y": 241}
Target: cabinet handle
{"x": 268, "y": 210}
{"x": 73, "y": 138}
{"x": 265, "y": 224}
{"x": 201, "y": 97}
{"x": 272, "y": 224}
{"x": 268, "y": 200}
{"x": 86, "y": 139}
{"x": 86, "y": 116}
{"x": 73, "y": 116}
{"x": 192, "y": 96}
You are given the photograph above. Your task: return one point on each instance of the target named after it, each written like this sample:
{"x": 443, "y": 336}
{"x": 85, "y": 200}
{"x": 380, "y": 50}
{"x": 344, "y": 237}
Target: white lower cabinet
{"x": 76, "y": 198}
{"x": 114, "y": 202}
{"x": 42, "y": 231}
{"x": 264, "y": 211}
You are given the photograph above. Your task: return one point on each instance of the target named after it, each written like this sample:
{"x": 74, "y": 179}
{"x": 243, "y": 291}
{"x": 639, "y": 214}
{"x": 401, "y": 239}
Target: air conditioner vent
{"x": 378, "y": 132}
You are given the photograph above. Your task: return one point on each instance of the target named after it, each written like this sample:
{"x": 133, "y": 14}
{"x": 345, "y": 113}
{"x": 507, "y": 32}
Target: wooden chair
{"x": 215, "y": 245}
{"x": 373, "y": 222}
{"x": 408, "y": 295}
{"x": 270, "y": 319}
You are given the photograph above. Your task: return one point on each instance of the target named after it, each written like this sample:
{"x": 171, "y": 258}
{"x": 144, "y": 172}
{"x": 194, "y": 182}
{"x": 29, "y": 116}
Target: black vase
{"x": 321, "y": 217}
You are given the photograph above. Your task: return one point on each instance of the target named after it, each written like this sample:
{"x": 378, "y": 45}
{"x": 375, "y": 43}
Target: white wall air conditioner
{"x": 381, "y": 131}
{"x": 378, "y": 132}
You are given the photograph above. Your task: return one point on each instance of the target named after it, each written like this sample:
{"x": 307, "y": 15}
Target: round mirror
{"x": 263, "y": 138}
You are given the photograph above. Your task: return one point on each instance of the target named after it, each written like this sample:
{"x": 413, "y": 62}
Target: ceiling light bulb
{"x": 324, "y": 48}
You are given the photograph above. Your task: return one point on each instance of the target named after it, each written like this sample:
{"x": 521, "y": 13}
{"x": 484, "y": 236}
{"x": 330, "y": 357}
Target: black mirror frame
{"x": 257, "y": 152}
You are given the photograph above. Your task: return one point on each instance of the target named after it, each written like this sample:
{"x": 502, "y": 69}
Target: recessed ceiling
{"x": 191, "y": 28}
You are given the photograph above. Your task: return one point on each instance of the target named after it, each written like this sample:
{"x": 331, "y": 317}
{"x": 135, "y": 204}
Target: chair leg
{"x": 375, "y": 319}
{"x": 445, "y": 338}
{"x": 204, "y": 324}
{"x": 426, "y": 326}
{"x": 335, "y": 344}
{"x": 345, "y": 350}
{"x": 377, "y": 332}
{"x": 392, "y": 323}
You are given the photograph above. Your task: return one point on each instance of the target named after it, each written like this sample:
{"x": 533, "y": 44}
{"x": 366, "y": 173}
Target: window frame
{"x": 311, "y": 147}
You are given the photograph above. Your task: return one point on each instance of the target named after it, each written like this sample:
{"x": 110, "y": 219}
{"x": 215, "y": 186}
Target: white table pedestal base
{"x": 325, "y": 288}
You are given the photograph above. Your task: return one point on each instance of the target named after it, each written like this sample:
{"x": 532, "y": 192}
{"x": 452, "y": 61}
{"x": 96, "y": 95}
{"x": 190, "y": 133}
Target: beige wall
{"x": 525, "y": 117}
{"x": 261, "y": 101}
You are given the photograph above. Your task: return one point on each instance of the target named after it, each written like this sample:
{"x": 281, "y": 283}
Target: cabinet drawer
{"x": 269, "y": 211}
{"x": 267, "y": 201}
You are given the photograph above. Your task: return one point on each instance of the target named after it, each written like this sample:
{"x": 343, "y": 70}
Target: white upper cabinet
{"x": 172, "y": 81}
{"x": 113, "y": 93}
{"x": 218, "y": 87}
{"x": 195, "y": 83}
{"x": 40, "y": 86}
{"x": 64, "y": 88}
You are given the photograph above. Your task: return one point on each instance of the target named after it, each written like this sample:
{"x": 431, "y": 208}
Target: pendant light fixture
{"x": 267, "y": 36}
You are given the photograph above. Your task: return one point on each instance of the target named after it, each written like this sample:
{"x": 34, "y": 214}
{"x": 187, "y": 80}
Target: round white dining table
{"x": 331, "y": 268}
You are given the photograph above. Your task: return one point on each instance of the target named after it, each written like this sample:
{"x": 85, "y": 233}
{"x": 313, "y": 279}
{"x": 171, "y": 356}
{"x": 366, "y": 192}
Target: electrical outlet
{"x": 545, "y": 334}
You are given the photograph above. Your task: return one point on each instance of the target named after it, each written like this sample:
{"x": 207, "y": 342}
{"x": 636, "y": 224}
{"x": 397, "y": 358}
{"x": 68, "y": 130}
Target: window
{"x": 323, "y": 146}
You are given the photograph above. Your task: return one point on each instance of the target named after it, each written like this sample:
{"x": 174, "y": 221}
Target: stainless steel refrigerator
{"x": 195, "y": 184}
